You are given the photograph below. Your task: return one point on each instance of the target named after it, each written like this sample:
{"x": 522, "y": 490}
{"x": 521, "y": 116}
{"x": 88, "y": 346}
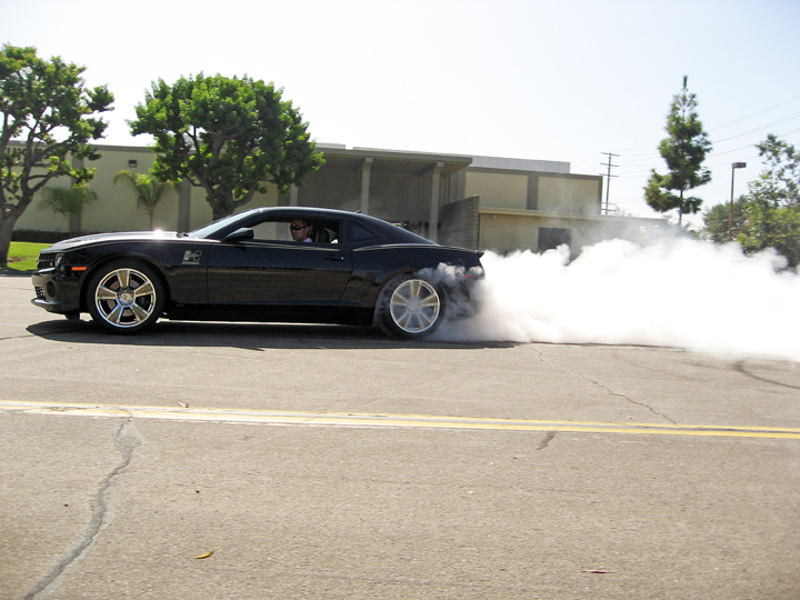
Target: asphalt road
{"x": 297, "y": 462}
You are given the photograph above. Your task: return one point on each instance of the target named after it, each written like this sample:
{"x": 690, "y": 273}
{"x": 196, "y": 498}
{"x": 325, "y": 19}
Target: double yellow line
{"x": 387, "y": 420}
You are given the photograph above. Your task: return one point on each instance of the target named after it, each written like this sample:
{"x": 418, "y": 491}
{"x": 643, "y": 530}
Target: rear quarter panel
{"x": 374, "y": 267}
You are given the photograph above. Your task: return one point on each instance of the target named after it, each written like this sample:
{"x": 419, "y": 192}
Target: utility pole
{"x": 608, "y": 175}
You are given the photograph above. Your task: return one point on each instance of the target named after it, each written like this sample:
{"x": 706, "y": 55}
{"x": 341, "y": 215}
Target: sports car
{"x": 281, "y": 264}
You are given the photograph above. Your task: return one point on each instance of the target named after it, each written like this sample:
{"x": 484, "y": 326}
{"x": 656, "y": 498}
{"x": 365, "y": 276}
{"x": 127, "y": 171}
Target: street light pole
{"x": 734, "y": 166}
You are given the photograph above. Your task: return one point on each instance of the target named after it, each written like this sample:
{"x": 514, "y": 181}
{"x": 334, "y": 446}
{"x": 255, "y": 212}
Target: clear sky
{"x": 561, "y": 81}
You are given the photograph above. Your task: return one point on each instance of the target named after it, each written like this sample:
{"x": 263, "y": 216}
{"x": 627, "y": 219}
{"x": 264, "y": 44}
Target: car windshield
{"x": 210, "y": 229}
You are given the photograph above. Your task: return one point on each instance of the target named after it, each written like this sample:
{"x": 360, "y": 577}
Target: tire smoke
{"x": 680, "y": 293}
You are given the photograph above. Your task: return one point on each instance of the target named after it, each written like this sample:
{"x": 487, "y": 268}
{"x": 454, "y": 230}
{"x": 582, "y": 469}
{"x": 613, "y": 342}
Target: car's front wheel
{"x": 125, "y": 297}
{"x": 412, "y": 308}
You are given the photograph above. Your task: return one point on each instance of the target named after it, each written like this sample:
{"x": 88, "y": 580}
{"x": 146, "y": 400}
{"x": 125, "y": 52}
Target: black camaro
{"x": 284, "y": 264}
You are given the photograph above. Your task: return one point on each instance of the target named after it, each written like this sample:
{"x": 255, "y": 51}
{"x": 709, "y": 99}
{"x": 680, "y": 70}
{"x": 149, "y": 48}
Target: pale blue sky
{"x": 561, "y": 80}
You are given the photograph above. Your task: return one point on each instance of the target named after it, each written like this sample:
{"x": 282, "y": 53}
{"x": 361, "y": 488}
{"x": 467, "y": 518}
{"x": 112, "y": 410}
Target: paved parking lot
{"x": 271, "y": 461}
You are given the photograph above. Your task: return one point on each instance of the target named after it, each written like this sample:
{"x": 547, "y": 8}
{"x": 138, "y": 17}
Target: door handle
{"x": 334, "y": 256}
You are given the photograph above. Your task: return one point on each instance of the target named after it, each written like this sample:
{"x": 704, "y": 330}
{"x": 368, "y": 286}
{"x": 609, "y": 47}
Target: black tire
{"x": 125, "y": 296}
{"x": 411, "y": 308}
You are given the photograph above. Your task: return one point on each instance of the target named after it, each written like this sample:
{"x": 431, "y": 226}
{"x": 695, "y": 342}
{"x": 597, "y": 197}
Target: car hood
{"x": 94, "y": 238}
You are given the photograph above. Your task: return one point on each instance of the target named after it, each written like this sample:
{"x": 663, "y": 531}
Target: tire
{"x": 411, "y": 308}
{"x": 125, "y": 297}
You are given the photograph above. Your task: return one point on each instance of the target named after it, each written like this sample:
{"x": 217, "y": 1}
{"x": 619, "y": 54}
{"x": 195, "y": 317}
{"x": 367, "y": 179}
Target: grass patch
{"x": 22, "y": 256}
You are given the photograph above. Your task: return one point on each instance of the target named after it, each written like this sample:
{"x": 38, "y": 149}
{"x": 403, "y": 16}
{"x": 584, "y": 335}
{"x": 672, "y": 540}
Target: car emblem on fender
{"x": 192, "y": 257}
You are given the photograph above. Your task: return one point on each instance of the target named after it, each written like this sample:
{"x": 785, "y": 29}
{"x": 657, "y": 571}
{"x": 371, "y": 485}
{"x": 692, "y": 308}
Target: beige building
{"x": 475, "y": 202}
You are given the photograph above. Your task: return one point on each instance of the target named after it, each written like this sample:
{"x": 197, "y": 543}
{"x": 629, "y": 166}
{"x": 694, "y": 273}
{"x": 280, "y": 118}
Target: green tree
{"x": 767, "y": 226}
{"x": 684, "y": 151}
{"x": 772, "y": 215}
{"x": 149, "y": 191}
{"x": 67, "y": 202}
{"x": 228, "y": 136}
{"x": 718, "y": 219}
{"x": 48, "y": 118}
{"x": 779, "y": 182}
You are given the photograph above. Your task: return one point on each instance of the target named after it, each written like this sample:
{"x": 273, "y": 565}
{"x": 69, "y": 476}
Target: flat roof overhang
{"x": 521, "y": 212}
{"x": 341, "y": 157}
{"x": 393, "y": 161}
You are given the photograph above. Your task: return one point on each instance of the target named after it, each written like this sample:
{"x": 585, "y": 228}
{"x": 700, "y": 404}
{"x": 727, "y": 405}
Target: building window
{"x": 553, "y": 237}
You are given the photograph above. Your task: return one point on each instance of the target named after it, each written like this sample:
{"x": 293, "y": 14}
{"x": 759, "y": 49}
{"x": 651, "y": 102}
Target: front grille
{"x": 47, "y": 260}
{"x": 39, "y": 292}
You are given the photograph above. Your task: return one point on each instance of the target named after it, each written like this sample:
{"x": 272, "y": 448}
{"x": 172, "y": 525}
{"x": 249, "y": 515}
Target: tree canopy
{"x": 718, "y": 218}
{"x": 768, "y": 216}
{"x": 684, "y": 151}
{"x": 779, "y": 182}
{"x": 49, "y": 116}
{"x": 772, "y": 212}
{"x": 229, "y": 136}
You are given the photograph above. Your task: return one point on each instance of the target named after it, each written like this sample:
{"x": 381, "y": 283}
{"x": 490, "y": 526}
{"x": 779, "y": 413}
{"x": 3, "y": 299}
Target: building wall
{"x": 393, "y": 196}
{"x": 460, "y": 223}
{"x": 507, "y": 231}
{"x": 500, "y": 189}
{"x": 533, "y": 190}
{"x": 572, "y": 194}
{"x": 331, "y": 188}
{"x": 116, "y": 208}
{"x": 36, "y": 218}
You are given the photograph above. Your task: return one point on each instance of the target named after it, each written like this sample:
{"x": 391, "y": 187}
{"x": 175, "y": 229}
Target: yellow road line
{"x": 370, "y": 420}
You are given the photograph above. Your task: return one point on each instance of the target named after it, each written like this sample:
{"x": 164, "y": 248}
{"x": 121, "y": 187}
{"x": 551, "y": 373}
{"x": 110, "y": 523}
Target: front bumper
{"x": 55, "y": 292}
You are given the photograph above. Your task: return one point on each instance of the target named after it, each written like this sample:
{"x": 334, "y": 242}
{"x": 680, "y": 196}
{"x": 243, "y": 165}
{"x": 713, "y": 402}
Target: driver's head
{"x": 300, "y": 229}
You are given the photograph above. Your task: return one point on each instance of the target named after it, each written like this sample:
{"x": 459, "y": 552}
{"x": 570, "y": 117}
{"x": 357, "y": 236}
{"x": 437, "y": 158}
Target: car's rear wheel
{"x": 412, "y": 308}
{"x": 125, "y": 297}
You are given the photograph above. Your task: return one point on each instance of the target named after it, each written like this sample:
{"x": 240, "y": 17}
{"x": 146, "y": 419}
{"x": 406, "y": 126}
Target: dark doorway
{"x": 553, "y": 237}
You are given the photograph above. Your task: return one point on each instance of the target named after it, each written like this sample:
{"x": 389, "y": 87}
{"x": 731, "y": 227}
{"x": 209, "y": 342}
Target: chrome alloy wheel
{"x": 125, "y": 298}
{"x": 415, "y": 306}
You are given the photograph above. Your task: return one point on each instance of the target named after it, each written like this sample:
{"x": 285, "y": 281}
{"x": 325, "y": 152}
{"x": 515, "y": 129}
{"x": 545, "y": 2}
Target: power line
{"x": 755, "y": 114}
{"x": 759, "y": 128}
{"x": 646, "y": 150}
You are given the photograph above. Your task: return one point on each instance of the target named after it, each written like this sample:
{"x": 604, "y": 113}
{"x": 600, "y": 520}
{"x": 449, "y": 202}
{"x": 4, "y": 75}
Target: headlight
{"x": 48, "y": 260}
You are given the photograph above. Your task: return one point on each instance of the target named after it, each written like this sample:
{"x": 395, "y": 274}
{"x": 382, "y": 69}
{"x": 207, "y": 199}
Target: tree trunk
{"x": 7, "y": 223}
{"x": 218, "y": 212}
{"x": 75, "y": 224}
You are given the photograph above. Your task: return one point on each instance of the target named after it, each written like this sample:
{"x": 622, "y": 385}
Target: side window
{"x": 325, "y": 232}
{"x": 320, "y": 231}
{"x": 358, "y": 233}
{"x": 270, "y": 231}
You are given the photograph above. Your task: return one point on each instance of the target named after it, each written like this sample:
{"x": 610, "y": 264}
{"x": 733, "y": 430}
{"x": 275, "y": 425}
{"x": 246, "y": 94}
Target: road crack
{"x": 546, "y": 440}
{"x": 126, "y": 439}
{"x": 603, "y": 387}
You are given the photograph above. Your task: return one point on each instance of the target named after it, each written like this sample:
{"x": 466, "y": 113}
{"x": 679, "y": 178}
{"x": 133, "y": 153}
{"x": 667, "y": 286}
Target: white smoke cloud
{"x": 682, "y": 293}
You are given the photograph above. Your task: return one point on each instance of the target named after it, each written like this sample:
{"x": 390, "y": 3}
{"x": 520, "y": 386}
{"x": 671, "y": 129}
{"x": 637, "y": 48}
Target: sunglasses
{"x": 299, "y": 227}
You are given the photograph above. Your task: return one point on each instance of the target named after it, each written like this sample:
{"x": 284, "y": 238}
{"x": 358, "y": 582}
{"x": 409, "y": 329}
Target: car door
{"x": 277, "y": 273}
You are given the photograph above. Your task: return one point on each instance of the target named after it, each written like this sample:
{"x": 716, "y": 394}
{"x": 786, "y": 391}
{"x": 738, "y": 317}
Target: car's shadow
{"x": 248, "y": 336}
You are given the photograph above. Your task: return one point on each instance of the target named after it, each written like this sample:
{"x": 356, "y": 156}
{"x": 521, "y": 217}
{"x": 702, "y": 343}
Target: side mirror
{"x": 240, "y": 235}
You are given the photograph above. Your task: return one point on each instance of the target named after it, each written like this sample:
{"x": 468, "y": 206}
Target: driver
{"x": 300, "y": 230}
